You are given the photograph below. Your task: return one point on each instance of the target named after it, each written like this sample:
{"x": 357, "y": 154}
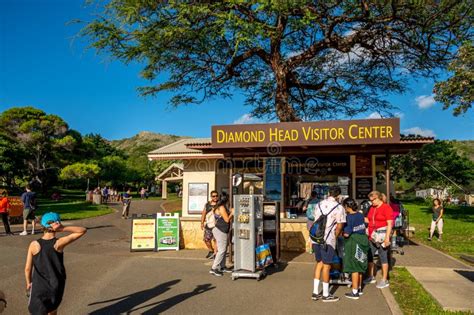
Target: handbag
{"x": 378, "y": 235}
{"x": 210, "y": 220}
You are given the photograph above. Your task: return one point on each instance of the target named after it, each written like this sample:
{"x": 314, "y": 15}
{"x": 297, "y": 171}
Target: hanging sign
{"x": 312, "y": 133}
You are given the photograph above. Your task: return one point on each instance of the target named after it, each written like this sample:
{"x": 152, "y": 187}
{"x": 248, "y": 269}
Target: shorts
{"x": 324, "y": 253}
{"x": 383, "y": 253}
{"x": 28, "y": 214}
{"x": 208, "y": 236}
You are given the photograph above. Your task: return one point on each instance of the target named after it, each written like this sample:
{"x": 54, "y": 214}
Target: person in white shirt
{"x": 324, "y": 254}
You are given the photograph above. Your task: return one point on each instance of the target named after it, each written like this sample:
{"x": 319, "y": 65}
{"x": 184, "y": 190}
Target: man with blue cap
{"x": 46, "y": 285}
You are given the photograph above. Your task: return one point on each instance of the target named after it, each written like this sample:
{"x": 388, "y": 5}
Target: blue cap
{"x": 49, "y": 217}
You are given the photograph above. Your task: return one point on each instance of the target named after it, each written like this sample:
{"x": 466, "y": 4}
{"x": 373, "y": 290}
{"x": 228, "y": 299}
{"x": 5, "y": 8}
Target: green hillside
{"x": 465, "y": 148}
{"x": 144, "y": 142}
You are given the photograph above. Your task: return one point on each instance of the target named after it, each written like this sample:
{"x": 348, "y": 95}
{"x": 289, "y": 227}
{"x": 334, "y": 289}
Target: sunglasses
{"x": 215, "y": 196}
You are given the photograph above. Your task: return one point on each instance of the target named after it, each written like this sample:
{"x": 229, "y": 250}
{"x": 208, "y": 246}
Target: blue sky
{"x": 42, "y": 65}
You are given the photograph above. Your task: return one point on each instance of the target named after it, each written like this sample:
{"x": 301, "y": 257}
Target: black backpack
{"x": 318, "y": 228}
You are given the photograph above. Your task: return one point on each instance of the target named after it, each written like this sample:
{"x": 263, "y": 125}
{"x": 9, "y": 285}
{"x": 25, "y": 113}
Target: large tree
{"x": 41, "y": 139}
{"x": 458, "y": 90}
{"x": 435, "y": 165}
{"x": 292, "y": 59}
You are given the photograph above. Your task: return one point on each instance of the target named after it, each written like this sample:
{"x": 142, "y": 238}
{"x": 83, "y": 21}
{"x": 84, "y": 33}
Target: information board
{"x": 143, "y": 234}
{"x": 167, "y": 231}
{"x": 363, "y": 187}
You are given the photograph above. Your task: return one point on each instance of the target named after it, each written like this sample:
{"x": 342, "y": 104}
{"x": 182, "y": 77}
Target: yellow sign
{"x": 308, "y": 133}
{"x": 143, "y": 234}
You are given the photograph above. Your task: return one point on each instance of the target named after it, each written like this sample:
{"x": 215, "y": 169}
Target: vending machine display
{"x": 248, "y": 228}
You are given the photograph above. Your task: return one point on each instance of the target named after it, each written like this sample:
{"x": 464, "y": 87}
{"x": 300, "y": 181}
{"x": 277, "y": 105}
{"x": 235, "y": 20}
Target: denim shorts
{"x": 324, "y": 253}
{"x": 383, "y": 253}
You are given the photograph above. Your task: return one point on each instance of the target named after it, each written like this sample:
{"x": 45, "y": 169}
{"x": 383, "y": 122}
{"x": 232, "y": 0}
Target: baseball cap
{"x": 49, "y": 217}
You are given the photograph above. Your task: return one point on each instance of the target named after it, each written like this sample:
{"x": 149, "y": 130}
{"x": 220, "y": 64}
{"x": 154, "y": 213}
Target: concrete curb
{"x": 391, "y": 302}
{"x": 444, "y": 254}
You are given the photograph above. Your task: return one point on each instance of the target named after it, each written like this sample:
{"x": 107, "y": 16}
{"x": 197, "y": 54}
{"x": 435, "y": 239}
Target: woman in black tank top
{"x": 44, "y": 271}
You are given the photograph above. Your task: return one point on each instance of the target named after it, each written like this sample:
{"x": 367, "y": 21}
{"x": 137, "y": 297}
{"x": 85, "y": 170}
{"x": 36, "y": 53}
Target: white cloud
{"x": 425, "y": 101}
{"x": 419, "y": 131}
{"x": 246, "y": 119}
{"x": 374, "y": 115}
{"x": 400, "y": 115}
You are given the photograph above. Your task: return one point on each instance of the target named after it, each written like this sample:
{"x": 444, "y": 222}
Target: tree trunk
{"x": 283, "y": 108}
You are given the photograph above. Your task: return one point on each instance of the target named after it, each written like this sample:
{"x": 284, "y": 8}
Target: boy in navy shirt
{"x": 356, "y": 247}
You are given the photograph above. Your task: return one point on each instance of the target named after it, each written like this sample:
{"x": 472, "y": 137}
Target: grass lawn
{"x": 458, "y": 231}
{"x": 411, "y": 296}
{"x": 73, "y": 210}
{"x": 72, "y": 206}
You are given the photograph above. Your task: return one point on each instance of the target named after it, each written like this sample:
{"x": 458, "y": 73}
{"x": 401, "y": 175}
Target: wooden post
{"x": 230, "y": 258}
{"x": 164, "y": 189}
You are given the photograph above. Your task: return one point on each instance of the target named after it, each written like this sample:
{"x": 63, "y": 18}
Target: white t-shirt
{"x": 338, "y": 215}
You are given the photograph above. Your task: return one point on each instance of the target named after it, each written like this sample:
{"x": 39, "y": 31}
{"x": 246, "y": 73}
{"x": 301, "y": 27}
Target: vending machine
{"x": 248, "y": 229}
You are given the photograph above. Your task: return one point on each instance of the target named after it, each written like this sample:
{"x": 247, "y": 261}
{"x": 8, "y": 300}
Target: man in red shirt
{"x": 4, "y": 208}
{"x": 379, "y": 219}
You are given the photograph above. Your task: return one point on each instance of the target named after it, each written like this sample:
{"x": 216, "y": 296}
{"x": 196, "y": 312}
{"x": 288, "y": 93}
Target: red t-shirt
{"x": 4, "y": 205}
{"x": 381, "y": 215}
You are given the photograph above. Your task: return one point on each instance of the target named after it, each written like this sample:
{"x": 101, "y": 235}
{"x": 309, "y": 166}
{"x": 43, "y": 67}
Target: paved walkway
{"x": 448, "y": 280}
{"x": 105, "y": 278}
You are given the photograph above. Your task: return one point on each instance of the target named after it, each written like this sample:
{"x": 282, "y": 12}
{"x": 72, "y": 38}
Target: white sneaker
{"x": 32, "y": 232}
{"x": 382, "y": 284}
{"x": 23, "y": 233}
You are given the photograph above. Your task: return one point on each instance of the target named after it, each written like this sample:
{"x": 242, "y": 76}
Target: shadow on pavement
{"x": 164, "y": 305}
{"x": 99, "y": 227}
{"x": 126, "y": 303}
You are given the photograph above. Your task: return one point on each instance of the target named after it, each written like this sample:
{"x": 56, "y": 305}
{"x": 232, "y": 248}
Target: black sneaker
{"x": 352, "y": 296}
{"x": 360, "y": 292}
{"x": 316, "y": 297}
{"x": 209, "y": 254}
{"x": 216, "y": 273}
{"x": 330, "y": 298}
{"x": 228, "y": 270}
{"x": 212, "y": 256}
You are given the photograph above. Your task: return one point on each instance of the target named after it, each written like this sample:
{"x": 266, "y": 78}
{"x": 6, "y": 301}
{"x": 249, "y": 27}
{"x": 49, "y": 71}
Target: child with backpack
{"x": 45, "y": 286}
{"x": 356, "y": 247}
{"x": 329, "y": 219}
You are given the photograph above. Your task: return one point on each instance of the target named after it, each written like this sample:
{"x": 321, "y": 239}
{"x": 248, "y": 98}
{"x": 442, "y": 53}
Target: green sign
{"x": 167, "y": 231}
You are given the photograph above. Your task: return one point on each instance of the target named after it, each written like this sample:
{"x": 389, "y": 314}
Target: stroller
{"x": 336, "y": 275}
{"x": 400, "y": 231}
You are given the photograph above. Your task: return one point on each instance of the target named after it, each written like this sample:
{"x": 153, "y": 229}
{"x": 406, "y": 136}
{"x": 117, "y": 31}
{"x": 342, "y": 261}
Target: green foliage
{"x": 417, "y": 166}
{"x": 458, "y": 90}
{"x": 40, "y": 137}
{"x": 79, "y": 171}
{"x": 292, "y": 59}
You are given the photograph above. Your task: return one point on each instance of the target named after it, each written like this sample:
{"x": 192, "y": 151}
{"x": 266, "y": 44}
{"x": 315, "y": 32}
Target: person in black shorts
{"x": 45, "y": 286}
{"x": 208, "y": 238}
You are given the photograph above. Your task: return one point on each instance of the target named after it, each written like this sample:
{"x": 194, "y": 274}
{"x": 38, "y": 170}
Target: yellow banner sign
{"x": 339, "y": 132}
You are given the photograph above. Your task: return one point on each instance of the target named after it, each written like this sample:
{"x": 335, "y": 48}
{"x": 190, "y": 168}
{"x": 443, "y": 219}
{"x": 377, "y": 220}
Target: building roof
{"x": 181, "y": 150}
{"x": 194, "y": 148}
{"x": 174, "y": 171}
{"x": 206, "y": 143}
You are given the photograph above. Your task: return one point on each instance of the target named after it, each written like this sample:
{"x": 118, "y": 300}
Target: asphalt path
{"x": 104, "y": 277}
